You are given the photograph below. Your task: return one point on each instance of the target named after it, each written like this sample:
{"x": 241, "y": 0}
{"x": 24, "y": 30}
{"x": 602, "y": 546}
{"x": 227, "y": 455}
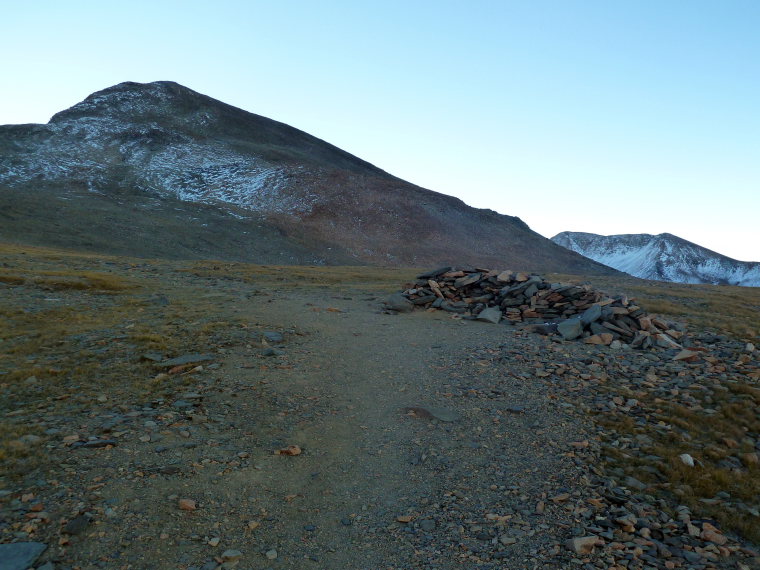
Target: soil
{"x": 362, "y": 439}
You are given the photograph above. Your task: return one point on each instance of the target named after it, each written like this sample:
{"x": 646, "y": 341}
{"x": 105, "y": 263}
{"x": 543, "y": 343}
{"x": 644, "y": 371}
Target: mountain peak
{"x": 661, "y": 257}
{"x": 132, "y": 98}
{"x": 158, "y": 169}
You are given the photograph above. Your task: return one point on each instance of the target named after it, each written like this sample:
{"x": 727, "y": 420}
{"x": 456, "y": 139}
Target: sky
{"x": 605, "y": 116}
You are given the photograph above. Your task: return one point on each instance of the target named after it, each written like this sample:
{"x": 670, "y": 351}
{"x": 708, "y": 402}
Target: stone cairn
{"x": 572, "y": 311}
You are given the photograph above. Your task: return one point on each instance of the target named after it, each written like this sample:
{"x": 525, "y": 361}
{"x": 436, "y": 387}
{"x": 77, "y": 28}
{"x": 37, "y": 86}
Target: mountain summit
{"x": 662, "y": 257}
{"x": 160, "y": 170}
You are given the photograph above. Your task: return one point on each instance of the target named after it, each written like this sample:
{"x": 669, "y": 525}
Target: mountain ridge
{"x": 662, "y": 257}
{"x": 160, "y": 170}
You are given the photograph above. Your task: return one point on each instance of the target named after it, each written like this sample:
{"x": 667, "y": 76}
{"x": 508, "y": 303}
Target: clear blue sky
{"x": 600, "y": 116}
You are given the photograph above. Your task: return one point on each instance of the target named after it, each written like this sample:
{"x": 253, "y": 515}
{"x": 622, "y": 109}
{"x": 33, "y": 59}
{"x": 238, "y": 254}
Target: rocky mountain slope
{"x": 663, "y": 257}
{"x": 160, "y": 170}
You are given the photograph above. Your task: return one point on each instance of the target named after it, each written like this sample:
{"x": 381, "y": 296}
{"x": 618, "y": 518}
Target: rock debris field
{"x": 447, "y": 426}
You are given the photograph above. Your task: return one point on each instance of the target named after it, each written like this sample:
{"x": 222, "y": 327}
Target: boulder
{"x": 398, "y": 302}
{"x": 20, "y": 555}
{"x": 570, "y": 329}
{"x": 490, "y": 314}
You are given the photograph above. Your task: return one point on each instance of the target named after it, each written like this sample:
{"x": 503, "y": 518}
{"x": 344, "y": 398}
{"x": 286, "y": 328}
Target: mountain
{"x": 663, "y": 257}
{"x": 159, "y": 170}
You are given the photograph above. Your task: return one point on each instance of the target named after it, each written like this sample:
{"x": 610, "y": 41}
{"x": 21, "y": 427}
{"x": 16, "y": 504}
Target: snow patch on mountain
{"x": 86, "y": 150}
{"x": 662, "y": 257}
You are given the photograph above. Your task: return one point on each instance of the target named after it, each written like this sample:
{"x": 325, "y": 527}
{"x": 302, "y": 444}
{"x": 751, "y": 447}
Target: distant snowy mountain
{"x": 663, "y": 257}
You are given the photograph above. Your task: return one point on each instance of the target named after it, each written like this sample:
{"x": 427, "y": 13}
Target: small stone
{"x": 231, "y": 555}
{"x": 271, "y": 554}
{"x": 710, "y": 533}
{"x": 273, "y": 336}
{"x": 751, "y": 458}
{"x": 76, "y": 525}
{"x": 686, "y": 355}
{"x": 439, "y": 414}
{"x": 427, "y": 525}
{"x": 593, "y": 339}
{"x": 686, "y": 459}
{"x": 584, "y": 544}
{"x": 214, "y": 541}
{"x": 187, "y": 505}
{"x": 289, "y": 450}
{"x": 186, "y": 359}
{"x": 749, "y": 347}
{"x": 95, "y": 443}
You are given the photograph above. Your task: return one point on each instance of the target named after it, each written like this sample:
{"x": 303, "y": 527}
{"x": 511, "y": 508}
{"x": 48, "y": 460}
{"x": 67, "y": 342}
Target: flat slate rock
{"x": 434, "y": 273}
{"x": 273, "y": 336}
{"x": 186, "y": 359}
{"x": 20, "y": 555}
{"x": 490, "y": 314}
{"x": 439, "y": 414}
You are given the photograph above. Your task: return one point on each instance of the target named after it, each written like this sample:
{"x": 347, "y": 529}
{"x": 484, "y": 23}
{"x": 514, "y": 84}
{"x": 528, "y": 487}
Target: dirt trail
{"x": 345, "y": 382}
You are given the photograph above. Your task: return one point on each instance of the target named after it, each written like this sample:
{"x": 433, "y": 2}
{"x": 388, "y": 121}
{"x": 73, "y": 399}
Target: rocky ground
{"x": 208, "y": 418}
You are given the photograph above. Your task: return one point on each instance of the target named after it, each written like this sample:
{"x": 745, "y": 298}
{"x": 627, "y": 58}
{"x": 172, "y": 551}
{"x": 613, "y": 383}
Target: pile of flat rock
{"x": 572, "y": 311}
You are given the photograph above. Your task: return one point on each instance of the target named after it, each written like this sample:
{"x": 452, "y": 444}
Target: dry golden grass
{"x": 333, "y": 277}
{"x": 61, "y": 280}
{"x": 709, "y": 439}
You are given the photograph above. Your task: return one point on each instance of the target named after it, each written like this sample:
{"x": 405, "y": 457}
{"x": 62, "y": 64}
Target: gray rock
{"x": 397, "y": 302}
{"x": 273, "y": 337}
{"x": 467, "y": 280}
{"x": 427, "y": 525}
{"x": 20, "y": 555}
{"x": 592, "y": 314}
{"x": 490, "y": 314}
{"x": 269, "y": 351}
{"x": 271, "y": 554}
{"x": 596, "y": 328}
{"x": 545, "y": 328}
{"x": 531, "y": 290}
{"x": 186, "y": 359}
{"x": 95, "y": 443}
{"x": 439, "y": 414}
{"x": 635, "y": 483}
{"x": 570, "y": 329}
{"x": 76, "y": 525}
{"x": 153, "y": 356}
{"x": 435, "y": 273}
